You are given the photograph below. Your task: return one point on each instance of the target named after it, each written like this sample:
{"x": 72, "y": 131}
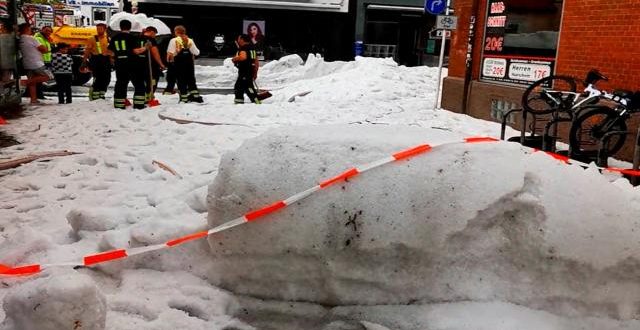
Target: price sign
{"x": 528, "y": 71}
{"x": 494, "y": 67}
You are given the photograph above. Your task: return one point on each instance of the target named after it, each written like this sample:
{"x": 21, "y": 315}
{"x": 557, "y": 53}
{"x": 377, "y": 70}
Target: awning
{"x": 312, "y": 5}
{"x": 396, "y": 8}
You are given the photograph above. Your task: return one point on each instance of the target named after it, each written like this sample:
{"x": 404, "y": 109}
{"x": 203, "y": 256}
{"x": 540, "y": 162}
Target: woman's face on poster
{"x": 253, "y": 31}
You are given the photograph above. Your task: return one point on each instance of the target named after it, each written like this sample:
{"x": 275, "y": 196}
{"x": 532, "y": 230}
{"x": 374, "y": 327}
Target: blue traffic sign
{"x": 435, "y": 7}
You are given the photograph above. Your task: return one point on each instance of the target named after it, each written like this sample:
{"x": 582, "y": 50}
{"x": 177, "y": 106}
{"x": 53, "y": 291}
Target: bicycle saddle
{"x": 594, "y": 76}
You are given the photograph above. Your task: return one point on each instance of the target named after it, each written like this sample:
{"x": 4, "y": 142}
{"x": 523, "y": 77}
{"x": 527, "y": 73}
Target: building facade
{"x": 501, "y": 46}
{"x": 337, "y": 29}
{"x": 285, "y": 26}
{"x": 398, "y": 29}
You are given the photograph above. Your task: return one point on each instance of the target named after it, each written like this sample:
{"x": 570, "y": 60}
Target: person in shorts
{"x": 32, "y": 62}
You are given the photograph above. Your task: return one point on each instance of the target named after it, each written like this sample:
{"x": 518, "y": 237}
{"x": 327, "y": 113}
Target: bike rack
{"x": 552, "y": 139}
{"x": 532, "y": 140}
{"x": 553, "y": 123}
{"x": 602, "y": 159}
{"x": 503, "y": 126}
{"x": 636, "y": 159}
{"x": 544, "y": 141}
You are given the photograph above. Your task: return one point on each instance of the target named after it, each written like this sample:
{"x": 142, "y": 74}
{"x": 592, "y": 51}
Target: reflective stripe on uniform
{"x": 120, "y": 47}
{"x": 139, "y": 99}
{"x": 119, "y": 103}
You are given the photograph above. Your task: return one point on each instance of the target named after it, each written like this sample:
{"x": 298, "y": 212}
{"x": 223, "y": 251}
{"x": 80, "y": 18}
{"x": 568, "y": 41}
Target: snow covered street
{"x": 113, "y": 195}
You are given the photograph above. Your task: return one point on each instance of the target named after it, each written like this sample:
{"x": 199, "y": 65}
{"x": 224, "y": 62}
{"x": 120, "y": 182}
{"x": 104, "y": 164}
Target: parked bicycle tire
{"x": 536, "y": 102}
{"x": 591, "y": 126}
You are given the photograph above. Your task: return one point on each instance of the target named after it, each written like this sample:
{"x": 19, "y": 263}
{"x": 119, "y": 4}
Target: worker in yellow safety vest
{"x": 182, "y": 52}
{"x": 97, "y": 57}
{"x": 44, "y": 38}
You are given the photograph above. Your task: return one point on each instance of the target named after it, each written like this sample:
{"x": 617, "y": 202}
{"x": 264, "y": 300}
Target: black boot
{"x": 197, "y": 99}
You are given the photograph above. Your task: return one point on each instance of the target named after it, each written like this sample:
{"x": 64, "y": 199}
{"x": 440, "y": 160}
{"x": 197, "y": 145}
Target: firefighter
{"x": 157, "y": 66}
{"x": 97, "y": 57}
{"x": 126, "y": 48}
{"x": 247, "y": 63}
{"x": 182, "y": 51}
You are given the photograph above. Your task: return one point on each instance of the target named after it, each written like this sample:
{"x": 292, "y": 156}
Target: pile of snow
{"x": 66, "y": 301}
{"x": 380, "y": 79}
{"x": 466, "y": 222}
{"x": 366, "y": 90}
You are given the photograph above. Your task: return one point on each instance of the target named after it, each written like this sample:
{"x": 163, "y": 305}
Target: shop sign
{"x": 525, "y": 70}
{"x": 520, "y": 71}
{"x": 494, "y": 67}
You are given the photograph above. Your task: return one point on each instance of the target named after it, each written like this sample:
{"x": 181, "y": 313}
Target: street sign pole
{"x": 441, "y": 61}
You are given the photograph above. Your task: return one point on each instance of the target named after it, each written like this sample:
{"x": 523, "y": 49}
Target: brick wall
{"x": 601, "y": 34}
{"x": 458, "y": 51}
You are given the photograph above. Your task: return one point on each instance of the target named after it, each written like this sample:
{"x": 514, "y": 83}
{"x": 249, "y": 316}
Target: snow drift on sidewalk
{"x": 465, "y": 222}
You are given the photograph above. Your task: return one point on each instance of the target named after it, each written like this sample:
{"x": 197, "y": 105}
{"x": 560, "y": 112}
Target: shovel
{"x": 153, "y": 102}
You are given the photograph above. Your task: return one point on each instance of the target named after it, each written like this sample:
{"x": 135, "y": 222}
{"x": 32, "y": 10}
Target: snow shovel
{"x": 262, "y": 94}
{"x": 152, "y": 99}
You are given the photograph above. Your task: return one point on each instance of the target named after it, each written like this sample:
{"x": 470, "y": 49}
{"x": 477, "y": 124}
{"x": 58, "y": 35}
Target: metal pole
{"x": 636, "y": 158}
{"x": 636, "y": 152}
{"x": 441, "y": 61}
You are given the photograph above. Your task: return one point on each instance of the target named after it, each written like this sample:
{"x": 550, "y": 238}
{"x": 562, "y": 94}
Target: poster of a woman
{"x": 255, "y": 30}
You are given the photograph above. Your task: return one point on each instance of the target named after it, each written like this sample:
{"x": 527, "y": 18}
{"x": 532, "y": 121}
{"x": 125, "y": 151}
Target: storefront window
{"x": 520, "y": 40}
{"x": 99, "y": 15}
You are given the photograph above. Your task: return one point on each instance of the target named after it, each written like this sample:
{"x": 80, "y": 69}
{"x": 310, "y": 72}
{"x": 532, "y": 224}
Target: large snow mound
{"x": 464, "y": 222}
{"x": 370, "y": 90}
{"x": 372, "y": 78}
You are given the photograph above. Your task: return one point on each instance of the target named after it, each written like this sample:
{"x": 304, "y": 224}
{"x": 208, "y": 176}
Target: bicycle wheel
{"x": 594, "y": 122}
{"x": 546, "y": 95}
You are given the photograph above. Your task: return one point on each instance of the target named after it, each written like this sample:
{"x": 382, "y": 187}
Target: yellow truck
{"x": 74, "y": 36}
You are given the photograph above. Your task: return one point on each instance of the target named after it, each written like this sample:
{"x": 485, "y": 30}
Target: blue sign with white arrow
{"x": 435, "y": 7}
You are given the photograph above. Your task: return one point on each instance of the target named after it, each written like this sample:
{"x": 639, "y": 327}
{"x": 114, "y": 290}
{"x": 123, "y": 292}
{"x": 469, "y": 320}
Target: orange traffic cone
{"x": 3, "y": 121}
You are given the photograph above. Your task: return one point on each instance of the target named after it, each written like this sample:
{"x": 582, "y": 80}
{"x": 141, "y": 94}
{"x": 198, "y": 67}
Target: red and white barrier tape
{"x": 106, "y": 256}
{"x": 567, "y": 160}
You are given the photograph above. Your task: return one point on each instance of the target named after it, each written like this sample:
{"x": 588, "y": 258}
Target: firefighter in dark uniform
{"x": 97, "y": 58}
{"x": 181, "y": 52}
{"x": 126, "y": 48}
{"x": 157, "y": 66}
{"x": 247, "y": 63}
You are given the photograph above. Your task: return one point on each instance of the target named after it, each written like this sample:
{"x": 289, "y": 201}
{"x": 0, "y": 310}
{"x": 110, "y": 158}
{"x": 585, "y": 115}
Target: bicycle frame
{"x": 590, "y": 92}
